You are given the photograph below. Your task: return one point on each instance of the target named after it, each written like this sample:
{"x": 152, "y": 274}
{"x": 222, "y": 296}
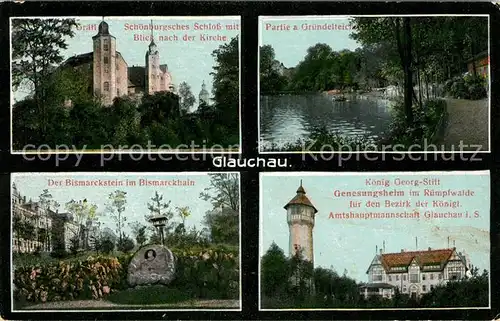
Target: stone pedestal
{"x": 152, "y": 264}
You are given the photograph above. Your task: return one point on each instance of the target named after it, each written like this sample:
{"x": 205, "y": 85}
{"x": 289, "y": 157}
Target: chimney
{"x": 429, "y": 249}
{"x": 384, "y": 246}
{"x": 416, "y": 243}
{"x": 376, "y": 249}
{"x": 402, "y": 250}
{"x": 380, "y": 251}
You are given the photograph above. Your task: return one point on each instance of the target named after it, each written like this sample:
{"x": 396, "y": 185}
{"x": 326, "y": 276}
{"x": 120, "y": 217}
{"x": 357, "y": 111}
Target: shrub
{"x": 125, "y": 245}
{"x": 469, "y": 87}
{"x": 200, "y": 273}
{"x": 92, "y": 278}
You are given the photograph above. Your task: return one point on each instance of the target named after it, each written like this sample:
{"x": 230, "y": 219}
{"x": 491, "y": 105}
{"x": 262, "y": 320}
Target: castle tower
{"x": 152, "y": 66}
{"x": 203, "y": 96}
{"x": 104, "y": 64}
{"x": 300, "y": 217}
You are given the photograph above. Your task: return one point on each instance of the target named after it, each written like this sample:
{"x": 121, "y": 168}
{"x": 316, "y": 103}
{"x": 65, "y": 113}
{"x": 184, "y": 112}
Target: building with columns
{"x": 110, "y": 76}
{"x": 300, "y": 217}
{"x": 414, "y": 273}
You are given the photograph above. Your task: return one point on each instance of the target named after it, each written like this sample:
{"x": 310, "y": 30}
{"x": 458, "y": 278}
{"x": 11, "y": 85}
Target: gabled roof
{"x": 422, "y": 258}
{"x": 301, "y": 199}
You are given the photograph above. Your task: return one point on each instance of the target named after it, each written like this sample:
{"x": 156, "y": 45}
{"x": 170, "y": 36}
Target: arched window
{"x": 106, "y": 86}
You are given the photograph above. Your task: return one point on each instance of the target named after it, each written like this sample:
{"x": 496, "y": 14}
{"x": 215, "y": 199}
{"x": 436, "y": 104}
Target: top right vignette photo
{"x": 356, "y": 84}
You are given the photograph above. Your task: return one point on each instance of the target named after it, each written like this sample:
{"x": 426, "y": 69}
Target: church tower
{"x": 300, "y": 217}
{"x": 104, "y": 64}
{"x": 152, "y": 66}
{"x": 203, "y": 97}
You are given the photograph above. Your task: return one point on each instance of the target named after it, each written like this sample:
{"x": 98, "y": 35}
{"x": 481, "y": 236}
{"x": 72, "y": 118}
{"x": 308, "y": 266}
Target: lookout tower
{"x": 300, "y": 217}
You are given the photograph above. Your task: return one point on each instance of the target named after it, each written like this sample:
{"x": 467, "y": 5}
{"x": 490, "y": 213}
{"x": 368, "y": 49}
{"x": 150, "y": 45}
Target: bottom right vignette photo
{"x": 374, "y": 240}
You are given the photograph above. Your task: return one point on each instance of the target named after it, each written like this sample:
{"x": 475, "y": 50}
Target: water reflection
{"x": 285, "y": 119}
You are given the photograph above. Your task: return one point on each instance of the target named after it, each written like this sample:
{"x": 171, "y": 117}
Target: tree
{"x": 36, "y": 47}
{"x": 125, "y": 244}
{"x": 139, "y": 232}
{"x": 186, "y": 98}
{"x": 226, "y": 87}
{"x": 270, "y": 78}
{"x": 116, "y": 207}
{"x": 274, "y": 271}
{"x": 183, "y": 213}
{"x": 159, "y": 208}
{"x": 223, "y": 224}
{"x": 224, "y": 191}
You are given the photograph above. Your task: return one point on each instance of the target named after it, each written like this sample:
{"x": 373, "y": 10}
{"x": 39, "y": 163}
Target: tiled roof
{"x": 423, "y": 258}
{"x": 301, "y": 199}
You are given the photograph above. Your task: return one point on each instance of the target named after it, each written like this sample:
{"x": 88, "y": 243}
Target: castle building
{"x": 203, "y": 97}
{"x": 414, "y": 273}
{"x": 109, "y": 74}
{"x": 300, "y": 217}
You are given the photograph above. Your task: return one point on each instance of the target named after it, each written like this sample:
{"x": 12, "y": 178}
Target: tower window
{"x": 106, "y": 86}
{"x": 106, "y": 60}
{"x": 105, "y": 45}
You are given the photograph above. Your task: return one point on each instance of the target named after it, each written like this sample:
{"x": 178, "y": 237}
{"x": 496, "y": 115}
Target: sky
{"x": 189, "y": 61}
{"x": 291, "y": 46}
{"x": 32, "y": 185}
{"x": 351, "y": 244}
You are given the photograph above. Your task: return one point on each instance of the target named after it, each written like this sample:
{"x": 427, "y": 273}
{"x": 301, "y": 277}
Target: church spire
{"x": 152, "y": 33}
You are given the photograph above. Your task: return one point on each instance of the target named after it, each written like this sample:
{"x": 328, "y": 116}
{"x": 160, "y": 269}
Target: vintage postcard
{"x": 125, "y": 84}
{"x": 357, "y": 84}
{"x": 125, "y": 242}
{"x": 370, "y": 241}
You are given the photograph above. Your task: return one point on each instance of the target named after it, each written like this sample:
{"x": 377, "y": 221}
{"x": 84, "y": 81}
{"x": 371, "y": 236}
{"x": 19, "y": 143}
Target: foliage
{"x": 116, "y": 206}
{"x": 201, "y": 273}
{"x": 223, "y": 225}
{"x": 125, "y": 244}
{"x": 186, "y": 97}
{"x": 92, "y": 278}
{"x": 270, "y": 78}
{"x": 139, "y": 232}
{"x": 421, "y": 132}
{"x": 281, "y": 289}
{"x": 224, "y": 191}
{"x": 468, "y": 87}
{"x": 64, "y": 111}
{"x": 207, "y": 274}
{"x": 226, "y": 85}
{"x": 473, "y": 292}
{"x": 105, "y": 245}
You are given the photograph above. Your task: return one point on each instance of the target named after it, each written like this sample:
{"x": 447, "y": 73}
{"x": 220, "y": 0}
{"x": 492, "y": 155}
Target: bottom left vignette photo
{"x": 125, "y": 241}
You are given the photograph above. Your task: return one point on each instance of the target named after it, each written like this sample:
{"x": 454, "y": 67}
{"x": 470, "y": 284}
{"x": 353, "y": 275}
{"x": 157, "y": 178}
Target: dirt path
{"x": 468, "y": 122}
{"x": 104, "y": 305}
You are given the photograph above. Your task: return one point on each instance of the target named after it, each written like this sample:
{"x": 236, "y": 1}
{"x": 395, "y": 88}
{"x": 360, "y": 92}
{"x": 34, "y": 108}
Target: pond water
{"x": 288, "y": 118}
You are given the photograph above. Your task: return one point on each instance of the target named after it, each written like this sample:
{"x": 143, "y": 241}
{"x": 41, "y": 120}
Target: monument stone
{"x": 152, "y": 264}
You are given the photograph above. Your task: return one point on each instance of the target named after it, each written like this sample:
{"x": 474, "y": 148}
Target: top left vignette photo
{"x": 125, "y": 84}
